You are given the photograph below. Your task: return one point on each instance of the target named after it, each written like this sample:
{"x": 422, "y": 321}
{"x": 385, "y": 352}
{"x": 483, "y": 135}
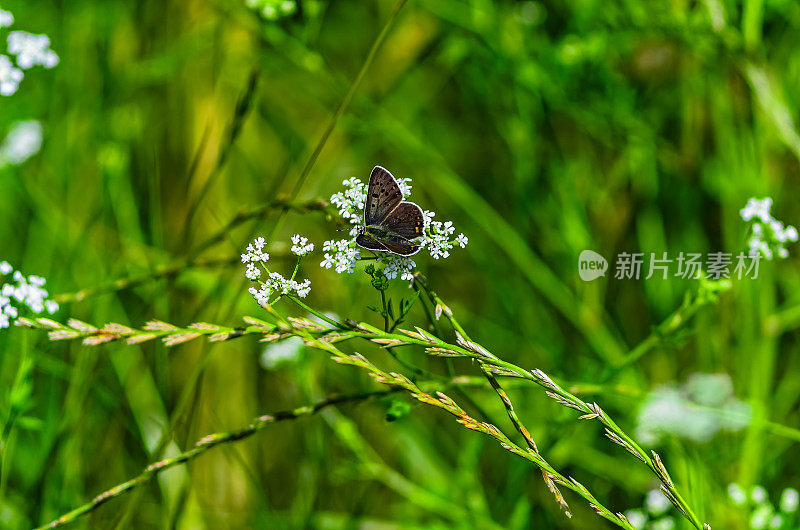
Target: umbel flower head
{"x": 341, "y": 255}
{"x": 769, "y": 236}
{"x": 275, "y": 284}
{"x": 18, "y": 291}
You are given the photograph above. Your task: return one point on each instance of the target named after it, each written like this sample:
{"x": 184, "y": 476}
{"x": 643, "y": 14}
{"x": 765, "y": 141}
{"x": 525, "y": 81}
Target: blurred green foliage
{"x": 541, "y": 128}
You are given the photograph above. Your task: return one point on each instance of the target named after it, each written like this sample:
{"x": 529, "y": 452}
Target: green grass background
{"x": 540, "y": 128}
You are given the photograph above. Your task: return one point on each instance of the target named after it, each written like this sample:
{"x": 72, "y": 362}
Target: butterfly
{"x": 390, "y": 224}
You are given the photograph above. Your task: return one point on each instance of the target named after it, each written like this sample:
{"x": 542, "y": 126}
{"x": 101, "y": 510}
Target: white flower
{"x": 760, "y": 517}
{"x": 301, "y": 246}
{"x": 789, "y": 500}
{"x": 405, "y": 186}
{"x": 736, "y": 494}
{"x": 303, "y": 288}
{"x": 9, "y": 76}
{"x": 252, "y": 272}
{"x": 341, "y": 255}
{"x": 758, "y": 209}
{"x": 255, "y": 254}
{"x": 656, "y": 503}
{"x": 462, "y": 240}
{"x": 768, "y": 234}
{"x": 758, "y": 494}
{"x": 23, "y": 141}
{"x": 6, "y": 19}
{"x": 637, "y": 518}
{"x": 31, "y": 50}
{"x": 401, "y": 266}
{"x": 351, "y": 201}
{"x": 685, "y": 412}
{"x": 281, "y": 352}
{"x": 275, "y": 283}
{"x": 23, "y": 292}
{"x": 261, "y": 295}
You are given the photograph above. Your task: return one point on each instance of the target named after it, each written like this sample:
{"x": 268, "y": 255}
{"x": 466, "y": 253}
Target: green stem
{"x": 512, "y": 414}
{"x": 316, "y": 313}
{"x": 209, "y": 442}
{"x": 385, "y": 312}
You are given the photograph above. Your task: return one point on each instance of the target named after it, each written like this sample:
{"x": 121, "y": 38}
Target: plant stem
{"x": 385, "y": 312}
{"x": 208, "y": 442}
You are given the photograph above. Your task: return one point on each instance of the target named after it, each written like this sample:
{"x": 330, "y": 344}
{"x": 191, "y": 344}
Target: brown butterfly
{"x": 390, "y": 224}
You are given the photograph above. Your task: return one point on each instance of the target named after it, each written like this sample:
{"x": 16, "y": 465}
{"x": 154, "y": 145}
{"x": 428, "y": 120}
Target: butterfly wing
{"x": 392, "y": 243}
{"x": 383, "y": 196}
{"x": 400, "y": 245}
{"x": 405, "y": 221}
{"x": 365, "y": 240}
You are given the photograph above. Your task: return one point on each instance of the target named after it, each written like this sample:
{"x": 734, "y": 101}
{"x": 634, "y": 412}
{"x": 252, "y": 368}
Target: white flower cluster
{"x": 769, "y": 236}
{"x": 29, "y": 49}
{"x": 24, "y": 291}
{"x": 652, "y": 515}
{"x": 300, "y": 246}
{"x": 697, "y": 410}
{"x": 343, "y": 254}
{"x": 275, "y": 284}
{"x": 22, "y": 142}
{"x": 9, "y": 76}
{"x": 6, "y": 19}
{"x": 272, "y": 9}
{"x": 763, "y": 514}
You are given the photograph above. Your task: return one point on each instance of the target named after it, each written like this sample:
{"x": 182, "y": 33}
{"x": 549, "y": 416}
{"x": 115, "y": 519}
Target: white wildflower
{"x": 341, "y": 255}
{"x": 637, "y": 518}
{"x": 272, "y": 9}
{"x": 252, "y": 272}
{"x": 303, "y": 288}
{"x": 401, "y": 266}
{"x": 758, "y": 209}
{"x": 760, "y": 517}
{"x": 255, "y": 253}
{"x": 261, "y": 295}
{"x": 281, "y": 352}
{"x": 350, "y": 202}
{"x": 736, "y": 494}
{"x": 9, "y": 76}
{"x": 790, "y": 498}
{"x": 758, "y": 494}
{"x": 6, "y": 19}
{"x": 690, "y": 413}
{"x": 768, "y": 235}
{"x": 301, "y": 246}
{"x": 31, "y": 50}
{"x": 23, "y": 141}
{"x": 276, "y": 284}
{"x": 22, "y": 292}
{"x": 656, "y": 503}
